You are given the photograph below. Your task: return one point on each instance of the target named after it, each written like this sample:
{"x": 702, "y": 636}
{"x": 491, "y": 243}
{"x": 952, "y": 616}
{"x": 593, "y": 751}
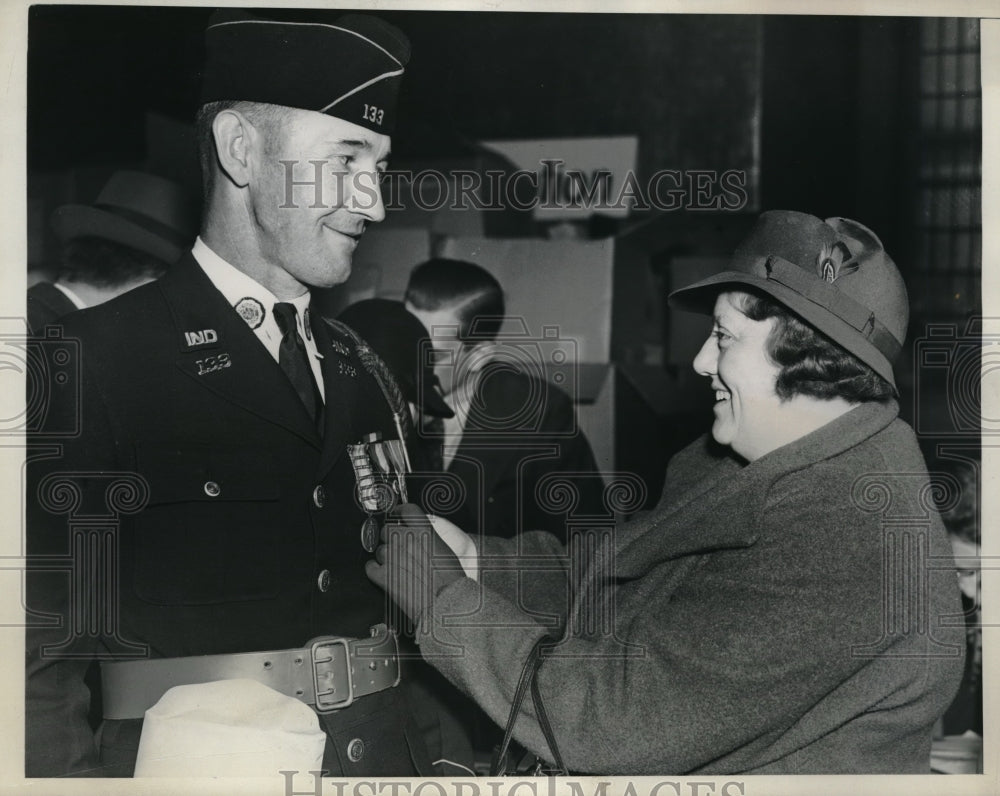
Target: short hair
{"x": 811, "y": 363}
{"x": 471, "y": 289}
{"x": 259, "y": 113}
{"x": 105, "y": 263}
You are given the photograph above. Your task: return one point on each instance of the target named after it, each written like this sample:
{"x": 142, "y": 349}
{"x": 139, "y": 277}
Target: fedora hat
{"x": 143, "y": 211}
{"x": 833, "y": 273}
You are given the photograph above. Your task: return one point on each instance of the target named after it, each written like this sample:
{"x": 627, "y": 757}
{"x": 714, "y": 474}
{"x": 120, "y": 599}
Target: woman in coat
{"x": 783, "y": 609}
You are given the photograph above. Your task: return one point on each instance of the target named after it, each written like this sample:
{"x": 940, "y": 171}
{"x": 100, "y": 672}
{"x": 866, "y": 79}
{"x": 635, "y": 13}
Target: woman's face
{"x": 748, "y": 411}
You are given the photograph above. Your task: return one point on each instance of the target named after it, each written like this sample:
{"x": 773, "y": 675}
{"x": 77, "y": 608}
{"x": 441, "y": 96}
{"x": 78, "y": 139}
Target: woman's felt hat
{"x": 834, "y": 274}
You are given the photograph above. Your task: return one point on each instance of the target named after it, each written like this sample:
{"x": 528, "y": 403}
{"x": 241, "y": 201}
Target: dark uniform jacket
{"x": 46, "y": 304}
{"x": 795, "y": 615}
{"x": 519, "y": 443}
{"x": 202, "y": 512}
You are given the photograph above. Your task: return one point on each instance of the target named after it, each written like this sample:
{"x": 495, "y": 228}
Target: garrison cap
{"x": 350, "y": 68}
{"x": 834, "y": 274}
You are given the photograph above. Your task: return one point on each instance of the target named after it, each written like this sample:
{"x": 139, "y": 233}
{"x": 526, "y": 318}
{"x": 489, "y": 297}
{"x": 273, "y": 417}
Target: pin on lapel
{"x": 340, "y": 348}
{"x": 214, "y": 363}
{"x": 343, "y": 368}
{"x": 307, "y": 324}
{"x": 251, "y": 310}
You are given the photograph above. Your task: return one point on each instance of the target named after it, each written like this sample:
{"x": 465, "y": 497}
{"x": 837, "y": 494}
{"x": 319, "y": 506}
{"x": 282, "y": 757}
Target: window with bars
{"x": 949, "y": 182}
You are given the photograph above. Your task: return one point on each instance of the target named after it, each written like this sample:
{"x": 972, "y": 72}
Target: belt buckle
{"x": 324, "y": 670}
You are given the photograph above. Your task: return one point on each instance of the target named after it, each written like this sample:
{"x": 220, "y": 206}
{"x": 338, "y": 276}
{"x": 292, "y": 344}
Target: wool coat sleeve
{"x": 530, "y": 571}
{"x": 715, "y": 655}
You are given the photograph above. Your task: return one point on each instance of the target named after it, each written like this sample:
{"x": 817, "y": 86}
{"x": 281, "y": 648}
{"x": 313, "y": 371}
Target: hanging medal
{"x": 380, "y": 472}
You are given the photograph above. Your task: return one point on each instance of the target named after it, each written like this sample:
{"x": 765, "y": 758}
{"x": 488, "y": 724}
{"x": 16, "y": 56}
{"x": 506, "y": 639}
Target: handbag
{"x": 529, "y": 764}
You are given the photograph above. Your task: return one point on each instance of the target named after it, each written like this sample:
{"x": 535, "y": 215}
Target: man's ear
{"x": 233, "y": 135}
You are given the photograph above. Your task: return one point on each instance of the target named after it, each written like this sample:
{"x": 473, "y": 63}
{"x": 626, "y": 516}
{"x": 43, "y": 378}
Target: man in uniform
{"x": 202, "y": 501}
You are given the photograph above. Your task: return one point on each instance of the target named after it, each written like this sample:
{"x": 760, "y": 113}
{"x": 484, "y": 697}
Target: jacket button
{"x": 212, "y": 489}
{"x": 355, "y": 750}
{"x": 323, "y": 581}
{"x": 319, "y": 496}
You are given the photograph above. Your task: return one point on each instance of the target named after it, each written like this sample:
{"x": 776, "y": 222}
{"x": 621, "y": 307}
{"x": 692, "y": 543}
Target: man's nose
{"x": 366, "y": 196}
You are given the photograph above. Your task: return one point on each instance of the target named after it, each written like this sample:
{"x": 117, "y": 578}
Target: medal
{"x": 380, "y": 473}
{"x": 371, "y": 530}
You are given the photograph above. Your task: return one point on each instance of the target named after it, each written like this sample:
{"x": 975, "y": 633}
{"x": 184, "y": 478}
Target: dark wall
{"x": 94, "y": 71}
{"x": 688, "y": 86}
{"x": 837, "y": 99}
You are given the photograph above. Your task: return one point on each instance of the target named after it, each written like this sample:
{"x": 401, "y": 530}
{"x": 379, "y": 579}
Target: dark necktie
{"x": 294, "y": 359}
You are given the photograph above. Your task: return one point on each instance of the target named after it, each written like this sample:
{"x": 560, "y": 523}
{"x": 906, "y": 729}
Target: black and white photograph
{"x": 494, "y": 396}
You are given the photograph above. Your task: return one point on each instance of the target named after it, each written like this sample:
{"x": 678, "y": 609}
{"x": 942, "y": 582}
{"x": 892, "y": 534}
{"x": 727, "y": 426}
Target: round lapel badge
{"x": 250, "y": 310}
{"x": 370, "y": 530}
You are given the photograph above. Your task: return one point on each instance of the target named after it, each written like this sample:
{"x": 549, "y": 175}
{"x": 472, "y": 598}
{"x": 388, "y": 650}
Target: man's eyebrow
{"x": 356, "y": 143}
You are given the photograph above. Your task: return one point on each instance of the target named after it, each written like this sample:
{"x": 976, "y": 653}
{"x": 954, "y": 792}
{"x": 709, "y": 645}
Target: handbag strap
{"x": 528, "y": 680}
{"x": 543, "y": 722}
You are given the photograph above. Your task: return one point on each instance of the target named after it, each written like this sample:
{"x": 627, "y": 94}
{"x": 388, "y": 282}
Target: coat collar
{"x": 710, "y": 500}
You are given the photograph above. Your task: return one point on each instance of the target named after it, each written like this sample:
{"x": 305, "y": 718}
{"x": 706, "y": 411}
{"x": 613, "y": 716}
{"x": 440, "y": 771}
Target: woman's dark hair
{"x": 811, "y": 364}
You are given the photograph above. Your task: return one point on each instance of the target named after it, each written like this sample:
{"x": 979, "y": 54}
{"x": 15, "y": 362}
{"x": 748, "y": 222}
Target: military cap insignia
{"x": 251, "y": 310}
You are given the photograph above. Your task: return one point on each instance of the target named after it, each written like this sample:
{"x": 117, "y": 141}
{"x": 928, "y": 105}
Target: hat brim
{"x": 433, "y": 404}
{"x": 700, "y": 297}
{"x": 78, "y": 221}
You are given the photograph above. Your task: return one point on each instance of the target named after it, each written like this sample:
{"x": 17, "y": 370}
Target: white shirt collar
{"x": 77, "y": 301}
{"x": 237, "y": 286}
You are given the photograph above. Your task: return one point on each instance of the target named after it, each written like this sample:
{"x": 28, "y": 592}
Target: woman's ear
{"x": 233, "y": 135}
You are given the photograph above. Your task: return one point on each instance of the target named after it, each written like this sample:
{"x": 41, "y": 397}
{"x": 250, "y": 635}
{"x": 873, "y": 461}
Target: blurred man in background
{"x": 139, "y": 225}
{"x": 511, "y": 429}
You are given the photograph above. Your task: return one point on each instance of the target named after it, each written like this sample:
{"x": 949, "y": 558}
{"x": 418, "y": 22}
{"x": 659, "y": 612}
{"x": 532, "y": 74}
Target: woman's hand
{"x": 413, "y": 563}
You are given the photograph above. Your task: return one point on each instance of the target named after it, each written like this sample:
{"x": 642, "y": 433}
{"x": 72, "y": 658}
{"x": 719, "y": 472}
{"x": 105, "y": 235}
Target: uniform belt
{"x": 329, "y": 673}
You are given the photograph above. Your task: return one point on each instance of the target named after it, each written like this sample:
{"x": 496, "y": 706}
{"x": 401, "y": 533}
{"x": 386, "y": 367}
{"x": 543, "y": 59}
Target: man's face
{"x": 306, "y": 233}
{"x": 451, "y": 357}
